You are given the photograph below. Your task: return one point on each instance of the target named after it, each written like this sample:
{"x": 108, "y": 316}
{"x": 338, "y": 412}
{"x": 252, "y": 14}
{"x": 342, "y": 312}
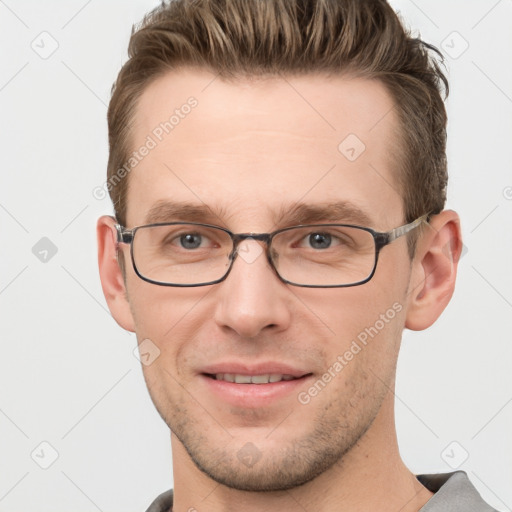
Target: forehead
{"x": 252, "y": 145}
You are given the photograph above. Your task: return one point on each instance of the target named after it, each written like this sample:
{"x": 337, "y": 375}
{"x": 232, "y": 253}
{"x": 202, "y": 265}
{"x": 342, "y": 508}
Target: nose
{"x": 252, "y": 298}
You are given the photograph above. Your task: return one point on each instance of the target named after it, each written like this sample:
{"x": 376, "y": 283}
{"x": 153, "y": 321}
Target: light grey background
{"x": 68, "y": 376}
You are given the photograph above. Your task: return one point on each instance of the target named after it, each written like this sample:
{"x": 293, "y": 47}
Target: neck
{"x": 371, "y": 476}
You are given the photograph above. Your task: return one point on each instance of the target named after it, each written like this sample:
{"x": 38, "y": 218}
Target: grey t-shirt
{"x": 453, "y": 493}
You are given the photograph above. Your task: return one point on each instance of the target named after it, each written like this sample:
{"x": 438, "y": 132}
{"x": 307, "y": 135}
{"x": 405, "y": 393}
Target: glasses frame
{"x": 381, "y": 239}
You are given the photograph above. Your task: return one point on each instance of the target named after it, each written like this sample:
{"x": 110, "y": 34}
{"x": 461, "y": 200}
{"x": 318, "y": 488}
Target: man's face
{"x": 248, "y": 153}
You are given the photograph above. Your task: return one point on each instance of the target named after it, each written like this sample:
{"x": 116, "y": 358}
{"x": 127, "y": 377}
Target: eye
{"x": 183, "y": 238}
{"x": 320, "y": 240}
{"x": 191, "y": 240}
{"x": 332, "y": 238}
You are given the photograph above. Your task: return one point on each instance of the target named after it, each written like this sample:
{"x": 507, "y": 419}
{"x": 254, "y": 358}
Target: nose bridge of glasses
{"x": 261, "y": 237}
{"x": 240, "y": 238}
{"x": 247, "y": 251}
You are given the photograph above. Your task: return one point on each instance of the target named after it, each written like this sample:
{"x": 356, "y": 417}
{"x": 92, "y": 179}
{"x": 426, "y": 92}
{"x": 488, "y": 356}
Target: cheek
{"x": 160, "y": 310}
{"x": 359, "y": 361}
{"x": 363, "y": 327}
{"x": 163, "y": 319}
{"x": 347, "y": 311}
{"x": 167, "y": 317}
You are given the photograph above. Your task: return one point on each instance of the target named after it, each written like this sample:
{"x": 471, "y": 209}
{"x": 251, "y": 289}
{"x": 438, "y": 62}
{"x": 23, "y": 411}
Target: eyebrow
{"x": 288, "y": 215}
{"x": 339, "y": 211}
{"x": 169, "y": 211}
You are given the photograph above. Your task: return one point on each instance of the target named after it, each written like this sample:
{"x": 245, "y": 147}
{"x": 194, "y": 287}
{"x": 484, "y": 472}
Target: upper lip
{"x": 270, "y": 367}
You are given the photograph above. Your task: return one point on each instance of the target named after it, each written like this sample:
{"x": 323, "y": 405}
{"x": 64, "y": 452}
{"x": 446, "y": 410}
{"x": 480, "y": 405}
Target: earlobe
{"x": 112, "y": 281}
{"x": 434, "y": 270}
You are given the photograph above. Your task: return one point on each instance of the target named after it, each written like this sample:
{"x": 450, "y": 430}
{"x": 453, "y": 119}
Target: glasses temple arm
{"x": 124, "y": 236}
{"x": 403, "y": 230}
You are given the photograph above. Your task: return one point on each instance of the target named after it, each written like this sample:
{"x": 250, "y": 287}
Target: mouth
{"x": 266, "y": 378}
{"x": 252, "y": 388}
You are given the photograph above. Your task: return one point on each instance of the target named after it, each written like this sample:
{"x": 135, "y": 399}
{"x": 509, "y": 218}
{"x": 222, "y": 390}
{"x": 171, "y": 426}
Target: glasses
{"x": 313, "y": 256}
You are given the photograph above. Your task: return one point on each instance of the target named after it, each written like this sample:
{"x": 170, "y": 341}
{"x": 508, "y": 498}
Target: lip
{"x": 253, "y": 395}
{"x": 254, "y": 369}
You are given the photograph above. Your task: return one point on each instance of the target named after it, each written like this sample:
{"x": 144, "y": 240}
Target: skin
{"x": 249, "y": 150}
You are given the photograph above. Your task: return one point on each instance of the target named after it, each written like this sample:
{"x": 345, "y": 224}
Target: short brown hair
{"x": 243, "y": 38}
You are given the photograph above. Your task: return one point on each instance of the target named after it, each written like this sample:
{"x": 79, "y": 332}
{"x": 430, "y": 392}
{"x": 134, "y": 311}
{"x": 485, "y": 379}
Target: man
{"x": 278, "y": 175}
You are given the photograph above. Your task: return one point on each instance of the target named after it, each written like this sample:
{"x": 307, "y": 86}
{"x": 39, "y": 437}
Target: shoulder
{"x": 454, "y": 492}
{"x": 162, "y": 503}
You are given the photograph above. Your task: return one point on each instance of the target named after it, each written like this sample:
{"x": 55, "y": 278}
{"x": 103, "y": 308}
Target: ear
{"x": 434, "y": 270}
{"x": 112, "y": 281}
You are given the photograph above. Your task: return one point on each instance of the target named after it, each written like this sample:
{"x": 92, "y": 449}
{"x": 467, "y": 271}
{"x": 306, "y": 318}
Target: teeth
{"x": 253, "y": 379}
{"x": 243, "y": 379}
{"x": 260, "y": 379}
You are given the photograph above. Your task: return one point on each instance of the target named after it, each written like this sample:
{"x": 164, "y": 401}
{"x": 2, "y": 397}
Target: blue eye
{"x": 320, "y": 240}
{"x": 190, "y": 241}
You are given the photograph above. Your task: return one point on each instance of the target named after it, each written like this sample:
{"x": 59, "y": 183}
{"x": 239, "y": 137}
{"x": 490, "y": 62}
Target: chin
{"x": 254, "y": 467}
{"x": 264, "y": 476}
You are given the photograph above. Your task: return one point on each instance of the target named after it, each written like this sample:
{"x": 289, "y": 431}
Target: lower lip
{"x": 253, "y": 395}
